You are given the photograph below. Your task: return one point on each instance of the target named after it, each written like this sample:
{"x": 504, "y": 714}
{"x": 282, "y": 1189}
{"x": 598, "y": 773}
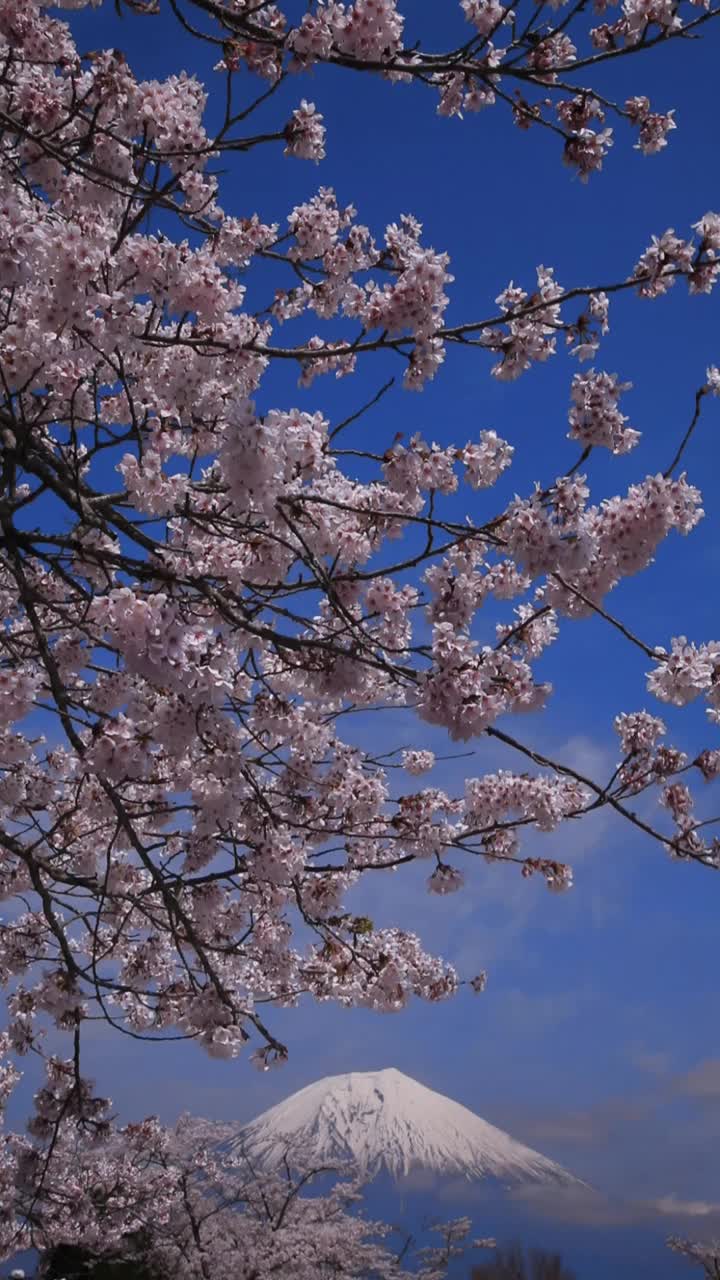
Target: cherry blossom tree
{"x": 705, "y": 1255}
{"x": 185, "y": 1203}
{"x": 198, "y": 597}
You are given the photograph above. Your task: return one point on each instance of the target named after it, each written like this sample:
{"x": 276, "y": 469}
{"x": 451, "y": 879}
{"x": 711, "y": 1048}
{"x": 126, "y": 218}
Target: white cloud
{"x": 584, "y": 1205}
{"x": 703, "y": 1081}
{"x": 673, "y": 1206}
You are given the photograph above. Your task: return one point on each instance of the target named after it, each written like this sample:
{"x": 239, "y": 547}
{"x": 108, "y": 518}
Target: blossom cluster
{"x": 594, "y": 416}
{"x": 222, "y": 585}
{"x": 190, "y": 1201}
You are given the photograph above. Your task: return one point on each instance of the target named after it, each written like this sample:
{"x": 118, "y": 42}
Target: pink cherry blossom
{"x": 417, "y": 762}
{"x": 205, "y": 589}
{"x": 594, "y": 417}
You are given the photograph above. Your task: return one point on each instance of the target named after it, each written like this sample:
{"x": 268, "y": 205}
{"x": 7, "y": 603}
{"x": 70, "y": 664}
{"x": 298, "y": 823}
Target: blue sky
{"x": 603, "y": 1003}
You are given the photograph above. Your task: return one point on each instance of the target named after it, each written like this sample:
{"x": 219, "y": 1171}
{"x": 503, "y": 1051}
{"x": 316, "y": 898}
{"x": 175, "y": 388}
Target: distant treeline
{"x": 68, "y": 1262}
{"x": 514, "y": 1263}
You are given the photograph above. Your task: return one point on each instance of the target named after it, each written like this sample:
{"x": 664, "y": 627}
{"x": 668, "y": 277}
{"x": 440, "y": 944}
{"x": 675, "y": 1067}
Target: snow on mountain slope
{"x": 384, "y": 1119}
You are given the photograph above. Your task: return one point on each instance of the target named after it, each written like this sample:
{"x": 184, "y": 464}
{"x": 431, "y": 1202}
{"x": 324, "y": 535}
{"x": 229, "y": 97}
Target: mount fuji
{"x": 386, "y": 1121}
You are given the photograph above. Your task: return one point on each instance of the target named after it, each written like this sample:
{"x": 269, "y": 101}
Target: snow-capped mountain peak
{"x": 386, "y": 1120}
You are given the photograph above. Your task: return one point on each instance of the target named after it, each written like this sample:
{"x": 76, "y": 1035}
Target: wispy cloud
{"x": 535, "y": 1013}
{"x": 587, "y": 1207}
{"x": 652, "y": 1062}
{"x": 674, "y": 1206}
{"x": 604, "y": 1124}
{"x": 702, "y": 1081}
{"x": 577, "y": 1205}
